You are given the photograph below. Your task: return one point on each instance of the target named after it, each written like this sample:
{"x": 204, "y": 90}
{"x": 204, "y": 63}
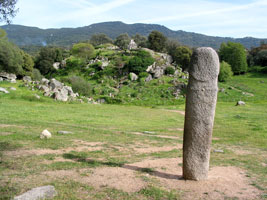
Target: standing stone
{"x": 200, "y": 111}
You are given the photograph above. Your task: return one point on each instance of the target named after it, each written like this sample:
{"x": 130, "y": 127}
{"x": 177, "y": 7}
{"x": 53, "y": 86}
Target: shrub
{"x": 83, "y": 50}
{"x": 225, "y": 72}
{"x": 36, "y": 75}
{"x": 169, "y": 70}
{"x": 80, "y": 85}
{"x": 182, "y": 56}
{"x": 156, "y": 41}
{"x": 140, "y": 62}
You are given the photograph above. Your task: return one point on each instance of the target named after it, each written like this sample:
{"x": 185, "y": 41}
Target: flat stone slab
{"x": 65, "y": 132}
{"x": 39, "y": 193}
{"x": 3, "y": 90}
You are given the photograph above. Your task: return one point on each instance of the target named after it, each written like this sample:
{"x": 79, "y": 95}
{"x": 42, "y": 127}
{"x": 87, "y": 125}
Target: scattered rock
{"x": 133, "y": 76}
{"x": 64, "y": 132}
{"x": 4, "y": 90}
{"x": 45, "y": 82}
{"x": 13, "y": 81}
{"x": 218, "y": 151}
{"x": 240, "y": 103}
{"x": 7, "y": 76}
{"x": 261, "y": 81}
{"x": 149, "y": 78}
{"x": 55, "y": 84}
{"x": 44, "y": 192}
{"x": 37, "y": 96}
{"x": 132, "y": 45}
{"x": 45, "y": 134}
{"x": 1, "y": 79}
{"x": 221, "y": 90}
{"x": 27, "y": 79}
{"x": 56, "y": 65}
{"x": 149, "y": 132}
{"x": 12, "y": 88}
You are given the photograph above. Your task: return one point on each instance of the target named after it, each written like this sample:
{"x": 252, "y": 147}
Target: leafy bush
{"x": 123, "y": 41}
{"x": 169, "y": 70}
{"x": 101, "y": 38}
{"x": 83, "y": 50}
{"x": 258, "y": 69}
{"x": 140, "y": 62}
{"x": 156, "y": 41}
{"x": 225, "y": 72}
{"x": 36, "y": 75}
{"x": 80, "y": 85}
{"x": 182, "y": 56}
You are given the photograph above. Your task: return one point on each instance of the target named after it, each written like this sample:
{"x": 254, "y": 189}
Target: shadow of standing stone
{"x": 199, "y": 114}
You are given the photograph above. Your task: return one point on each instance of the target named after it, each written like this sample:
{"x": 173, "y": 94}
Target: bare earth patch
{"x": 82, "y": 146}
{"x": 5, "y": 133}
{"x": 222, "y": 182}
{"x": 10, "y": 125}
{"x": 177, "y": 111}
{"x": 157, "y": 149}
{"x": 152, "y": 135}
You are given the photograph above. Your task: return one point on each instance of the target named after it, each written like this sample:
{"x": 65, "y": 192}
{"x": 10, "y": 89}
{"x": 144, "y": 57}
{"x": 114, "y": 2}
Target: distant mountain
{"x": 24, "y": 35}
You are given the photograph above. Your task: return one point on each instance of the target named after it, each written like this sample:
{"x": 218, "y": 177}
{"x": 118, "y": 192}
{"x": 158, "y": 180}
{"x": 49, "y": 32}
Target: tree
{"x": 140, "y": 40}
{"x": 46, "y": 58}
{"x": 27, "y": 64}
{"x": 261, "y": 58}
{"x": 182, "y": 56}
{"x": 123, "y": 41}
{"x": 83, "y": 50}
{"x": 171, "y": 46}
{"x": 11, "y": 58}
{"x": 156, "y": 41}
{"x": 101, "y": 38}
{"x": 234, "y": 54}
{"x": 7, "y": 10}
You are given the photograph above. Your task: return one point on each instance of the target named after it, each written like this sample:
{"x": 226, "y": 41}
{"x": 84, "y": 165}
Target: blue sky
{"x": 233, "y": 18}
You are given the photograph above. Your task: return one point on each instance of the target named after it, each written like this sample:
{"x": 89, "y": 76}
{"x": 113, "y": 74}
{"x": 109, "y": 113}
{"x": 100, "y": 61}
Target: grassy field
{"x": 131, "y": 152}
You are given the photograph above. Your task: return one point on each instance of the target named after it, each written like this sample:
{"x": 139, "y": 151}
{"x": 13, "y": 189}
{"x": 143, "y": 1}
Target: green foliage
{"x": 140, "y": 62}
{"x": 80, "y": 85}
{"x": 27, "y": 64}
{"x": 261, "y": 58}
{"x": 123, "y": 41}
{"x": 169, "y": 70}
{"x": 83, "y": 50}
{"x": 73, "y": 63}
{"x": 140, "y": 40}
{"x": 36, "y": 75}
{"x": 225, "y": 72}
{"x": 101, "y": 38}
{"x": 2, "y": 33}
{"x": 182, "y": 56}
{"x": 235, "y": 55}
{"x": 46, "y": 58}
{"x": 11, "y": 59}
{"x": 171, "y": 46}
{"x": 156, "y": 41}
{"x": 258, "y": 69}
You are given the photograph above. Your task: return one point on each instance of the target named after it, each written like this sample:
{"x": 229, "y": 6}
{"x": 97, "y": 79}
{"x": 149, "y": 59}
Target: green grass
{"x": 23, "y": 117}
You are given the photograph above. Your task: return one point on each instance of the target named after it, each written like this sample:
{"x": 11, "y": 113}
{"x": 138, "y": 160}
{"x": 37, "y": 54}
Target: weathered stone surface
{"x": 27, "y": 79}
{"x": 44, "y": 81}
{"x": 133, "y": 76}
{"x": 240, "y": 103}
{"x": 64, "y": 132}
{"x": 1, "y": 79}
{"x": 37, "y": 96}
{"x": 132, "y": 45}
{"x": 56, "y": 65}
{"x": 8, "y": 76}
{"x": 200, "y": 111}
{"x": 45, "y": 134}
{"x": 12, "y": 88}
{"x": 149, "y": 78}
{"x": 4, "y": 90}
{"x": 55, "y": 84}
{"x": 44, "y": 192}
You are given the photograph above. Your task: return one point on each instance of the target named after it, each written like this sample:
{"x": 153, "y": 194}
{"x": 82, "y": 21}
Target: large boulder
{"x": 240, "y": 103}
{"x": 7, "y": 76}
{"x": 55, "y": 84}
{"x": 158, "y": 72}
{"x": 44, "y": 192}
{"x": 133, "y": 76}
{"x": 149, "y": 78}
{"x": 56, "y": 65}
{"x": 27, "y": 79}
{"x": 132, "y": 45}
{"x": 45, "y": 82}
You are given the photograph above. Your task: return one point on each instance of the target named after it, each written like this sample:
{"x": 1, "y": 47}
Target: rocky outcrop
{"x": 133, "y": 76}
{"x": 8, "y": 77}
{"x": 132, "y": 45}
{"x": 44, "y": 192}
